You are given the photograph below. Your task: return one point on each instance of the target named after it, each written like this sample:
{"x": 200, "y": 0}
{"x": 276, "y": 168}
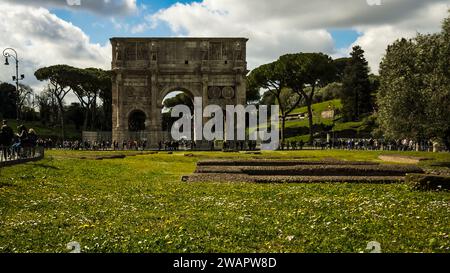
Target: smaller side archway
{"x": 136, "y": 121}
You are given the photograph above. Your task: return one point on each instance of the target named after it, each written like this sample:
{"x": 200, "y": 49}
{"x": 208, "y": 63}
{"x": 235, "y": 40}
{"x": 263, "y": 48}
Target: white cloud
{"x": 375, "y": 39}
{"x": 278, "y": 27}
{"x": 105, "y": 7}
{"x": 119, "y": 25}
{"x": 268, "y": 38}
{"x": 42, "y": 39}
{"x": 139, "y": 28}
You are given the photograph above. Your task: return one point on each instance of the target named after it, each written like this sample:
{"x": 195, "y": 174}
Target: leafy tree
{"x": 106, "y": 97}
{"x": 374, "y": 87}
{"x": 83, "y": 86}
{"x": 267, "y": 99}
{"x": 88, "y": 84}
{"x": 329, "y": 92}
{"x": 271, "y": 78}
{"x": 289, "y": 100}
{"x": 181, "y": 98}
{"x": 341, "y": 64}
{"x": 293, "y": 78}
{"x": 103, "y": 89}
{"x": 29, "y": 114}
{"x": 441, "y": 119}
{"x": 75, "y": 113}
{"x": 356, "y": 91}
{"x": 401, "y": 102}
{"x": 60, "y": 78}
{"x": 23, "y": 100}
{"x": 48, "y": 109}
{"x": 253, "y": 90}
{"x": 304, "y": 73}
{"x": 415, "y": 88}
{"x": 8, "y": 101}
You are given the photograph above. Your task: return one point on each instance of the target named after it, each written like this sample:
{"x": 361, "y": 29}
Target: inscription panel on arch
{"x": 135, "y": 82}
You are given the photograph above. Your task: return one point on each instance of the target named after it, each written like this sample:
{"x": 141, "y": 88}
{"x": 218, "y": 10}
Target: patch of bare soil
{"x": 402, "y": 159}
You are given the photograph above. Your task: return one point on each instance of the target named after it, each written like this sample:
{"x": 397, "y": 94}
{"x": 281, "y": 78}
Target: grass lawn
{"x": 139, "y": 204}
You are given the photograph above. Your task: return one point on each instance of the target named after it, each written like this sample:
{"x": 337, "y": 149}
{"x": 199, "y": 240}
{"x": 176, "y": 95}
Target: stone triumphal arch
{"x": 145, "y": 70}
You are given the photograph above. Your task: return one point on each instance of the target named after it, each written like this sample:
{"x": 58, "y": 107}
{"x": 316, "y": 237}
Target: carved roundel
{"x": 214, "y": 92}
{"x": 228, "y": 92}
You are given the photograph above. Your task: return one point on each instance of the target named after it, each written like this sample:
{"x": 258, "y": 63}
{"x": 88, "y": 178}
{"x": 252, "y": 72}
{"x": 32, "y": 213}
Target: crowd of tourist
{"x": 21, "y": 144}
{"x": 361, "y": 144}
{"x": 138, "y": 145}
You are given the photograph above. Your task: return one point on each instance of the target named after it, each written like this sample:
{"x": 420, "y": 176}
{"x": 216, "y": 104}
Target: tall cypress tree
{"x": 356, "y": 90}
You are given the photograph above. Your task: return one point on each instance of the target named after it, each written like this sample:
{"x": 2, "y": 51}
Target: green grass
{"x": 139, "y": 204}
{"x": 319, "y": 107}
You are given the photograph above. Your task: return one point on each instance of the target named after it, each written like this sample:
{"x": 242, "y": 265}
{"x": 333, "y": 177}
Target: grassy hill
{"x": 319, "y": 107}
{"x": 298, "y": 129}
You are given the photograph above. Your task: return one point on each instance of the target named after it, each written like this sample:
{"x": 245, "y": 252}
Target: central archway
{"x": 178, "y": 96}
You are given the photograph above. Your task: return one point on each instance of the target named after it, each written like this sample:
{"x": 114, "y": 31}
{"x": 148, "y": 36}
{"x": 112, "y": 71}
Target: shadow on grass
{"x": 441, "y": 164}
{"x": 45, "y": 166}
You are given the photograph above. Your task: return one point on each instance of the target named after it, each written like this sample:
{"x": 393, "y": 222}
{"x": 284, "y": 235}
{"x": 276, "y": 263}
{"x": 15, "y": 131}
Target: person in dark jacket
{"x": 6, "y": 138}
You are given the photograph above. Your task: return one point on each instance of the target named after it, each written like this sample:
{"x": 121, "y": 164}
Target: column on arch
{"x": 156, "y": 117}
{"x": 118, "y": 122}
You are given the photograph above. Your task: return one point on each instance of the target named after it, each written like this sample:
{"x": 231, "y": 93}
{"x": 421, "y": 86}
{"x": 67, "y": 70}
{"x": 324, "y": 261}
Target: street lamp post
{"x": 7, "y": 53}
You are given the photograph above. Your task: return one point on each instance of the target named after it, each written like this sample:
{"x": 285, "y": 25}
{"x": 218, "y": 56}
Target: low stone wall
{"x": 315, "y": 170}
{"x": 280, "y": 162}
{"x": 298, "y": 171}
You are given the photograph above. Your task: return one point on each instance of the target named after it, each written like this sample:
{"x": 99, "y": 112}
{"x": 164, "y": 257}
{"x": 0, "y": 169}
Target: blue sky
{"x": 343, "y": 38}
{"x": 100, "y": 29}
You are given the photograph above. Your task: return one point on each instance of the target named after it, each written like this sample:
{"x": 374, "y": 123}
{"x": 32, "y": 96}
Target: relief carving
{"x": 214, "y": 92}
{"x": 228, "y": 92}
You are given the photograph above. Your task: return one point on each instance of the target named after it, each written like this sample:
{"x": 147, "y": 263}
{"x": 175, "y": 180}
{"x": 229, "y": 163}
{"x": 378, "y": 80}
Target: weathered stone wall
{"x": 147, "y": 69}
